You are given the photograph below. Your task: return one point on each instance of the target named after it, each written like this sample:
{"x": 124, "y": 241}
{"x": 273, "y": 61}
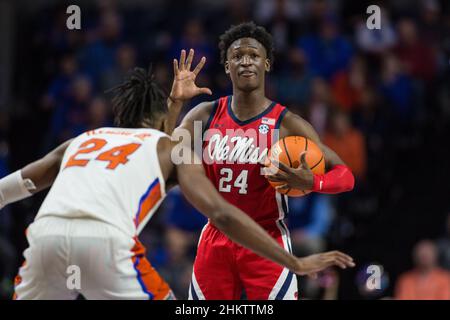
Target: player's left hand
{"x": 301, "y": 178}
{"x": 311, "y": 265}
{"x": 184, "y": 87}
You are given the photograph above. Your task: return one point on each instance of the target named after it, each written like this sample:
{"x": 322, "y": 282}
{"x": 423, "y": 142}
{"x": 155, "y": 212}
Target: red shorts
{"x": 224, "y": 269}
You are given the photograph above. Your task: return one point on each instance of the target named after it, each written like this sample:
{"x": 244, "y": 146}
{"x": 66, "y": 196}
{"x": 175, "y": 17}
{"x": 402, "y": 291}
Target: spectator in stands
{"x": 426, "y": 281}
{"x": 181, "y": 215}
{"x": 309, "y": 221}
{"x": 194, "y": 36}
{"x": 59, "y": 90}
{"x": 295, "y": 81}
{"x": 8, "y": 254}
{"x": 376, "y": 41}
{"x": 327, "y": 52}
{"x": 397, "y": 87}
{"x": 319, "y": 105}
{"x": 347, "y": 85}
{"x": 280, "y": 17}
{"x": 99, "y": 56}
{"x": 431, "y": 21}
{"x": 98, "y": 114}
{"x": 70, "y": 118}
{"x": 125, "y": 61}
{"x": 414, "y": 52}
{"x": 348, "y": 142}
{"x": 443, "y": 245}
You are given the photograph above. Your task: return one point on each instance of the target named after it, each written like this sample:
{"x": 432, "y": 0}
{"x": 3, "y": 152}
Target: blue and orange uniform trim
{"x": 148, "y": 201}
{"x": 149, "y": 279}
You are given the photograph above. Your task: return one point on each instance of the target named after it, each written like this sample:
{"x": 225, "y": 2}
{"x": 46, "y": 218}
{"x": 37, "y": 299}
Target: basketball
{"x": 288, "y": 151}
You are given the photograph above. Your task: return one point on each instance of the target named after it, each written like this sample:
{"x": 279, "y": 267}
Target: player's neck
{"x": 246, "y": 105}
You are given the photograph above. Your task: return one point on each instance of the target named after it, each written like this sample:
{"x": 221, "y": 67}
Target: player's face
{"x": 247, "y": 64}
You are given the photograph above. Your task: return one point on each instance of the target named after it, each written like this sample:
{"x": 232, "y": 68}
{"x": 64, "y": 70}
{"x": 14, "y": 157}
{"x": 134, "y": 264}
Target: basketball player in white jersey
{"x": 106, "y": 185}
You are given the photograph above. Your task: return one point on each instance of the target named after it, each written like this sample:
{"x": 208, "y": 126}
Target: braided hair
{"x": 139, "y": 100}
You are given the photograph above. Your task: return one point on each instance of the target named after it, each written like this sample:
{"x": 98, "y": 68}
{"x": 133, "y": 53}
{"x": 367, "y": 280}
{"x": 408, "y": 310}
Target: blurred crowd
{"x": 379, "y": 98}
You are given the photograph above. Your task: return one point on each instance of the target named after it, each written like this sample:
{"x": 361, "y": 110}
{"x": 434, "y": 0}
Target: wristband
{"x": 14, "y": 188}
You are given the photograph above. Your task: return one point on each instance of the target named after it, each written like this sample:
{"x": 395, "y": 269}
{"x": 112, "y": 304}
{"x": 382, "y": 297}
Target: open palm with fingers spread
{"x": 184, "y": 87}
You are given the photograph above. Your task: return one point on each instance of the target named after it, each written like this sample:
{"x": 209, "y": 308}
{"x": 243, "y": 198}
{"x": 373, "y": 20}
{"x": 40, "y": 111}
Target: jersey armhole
{"x": 162, "y": 181}
{"x": 211, "y": 116}
{"x": 276, "y": 136}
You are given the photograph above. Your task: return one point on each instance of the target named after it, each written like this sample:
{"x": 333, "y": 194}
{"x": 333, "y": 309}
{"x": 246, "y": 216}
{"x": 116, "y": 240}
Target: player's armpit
{"x": 187, "y": 132}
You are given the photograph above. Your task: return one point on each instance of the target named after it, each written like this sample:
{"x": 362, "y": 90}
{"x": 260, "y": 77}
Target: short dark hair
{"x": 246, "y": 30}
{"x": 138, "y": 99}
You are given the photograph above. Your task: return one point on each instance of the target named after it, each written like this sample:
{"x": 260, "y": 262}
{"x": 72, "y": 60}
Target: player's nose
{"x": 245, "y": 61}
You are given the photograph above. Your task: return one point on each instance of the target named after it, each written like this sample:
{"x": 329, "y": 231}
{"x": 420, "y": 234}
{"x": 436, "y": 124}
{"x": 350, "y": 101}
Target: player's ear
{"x": 227, "y": 67}
{"x": 267, "y": 65}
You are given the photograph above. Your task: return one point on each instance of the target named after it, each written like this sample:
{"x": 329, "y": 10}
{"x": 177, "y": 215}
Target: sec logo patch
{"x": 263, "y": 128}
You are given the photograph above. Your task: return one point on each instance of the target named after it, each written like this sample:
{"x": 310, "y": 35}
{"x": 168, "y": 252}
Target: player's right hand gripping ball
{"x": 288, "y": 151}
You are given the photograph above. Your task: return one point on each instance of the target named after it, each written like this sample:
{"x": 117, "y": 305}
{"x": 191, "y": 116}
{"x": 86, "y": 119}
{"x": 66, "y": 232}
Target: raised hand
{"x": 184, "y": 87}
{"x": 301, "y": 178}
{"x": 315, "y": 263}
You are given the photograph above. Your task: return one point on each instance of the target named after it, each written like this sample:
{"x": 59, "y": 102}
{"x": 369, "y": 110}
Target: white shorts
{"x": 68, "y": 257}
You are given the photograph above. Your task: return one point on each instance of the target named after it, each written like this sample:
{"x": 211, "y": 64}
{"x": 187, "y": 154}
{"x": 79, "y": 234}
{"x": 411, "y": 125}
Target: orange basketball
{"x": 288, "y": 151}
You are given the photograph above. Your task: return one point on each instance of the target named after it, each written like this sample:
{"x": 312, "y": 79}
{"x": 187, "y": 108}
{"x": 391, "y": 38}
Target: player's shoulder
{"x": 203, "y": 110}
{"x": 290, "y": 118}
{"x": 294, "y": 124}
{"x": 200, "y": 111}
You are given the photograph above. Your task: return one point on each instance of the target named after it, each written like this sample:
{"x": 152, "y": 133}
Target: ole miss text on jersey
{"x": 233, "y": 152}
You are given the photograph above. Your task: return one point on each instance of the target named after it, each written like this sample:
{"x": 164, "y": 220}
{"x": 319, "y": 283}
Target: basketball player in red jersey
{"x": 237, "y": 133}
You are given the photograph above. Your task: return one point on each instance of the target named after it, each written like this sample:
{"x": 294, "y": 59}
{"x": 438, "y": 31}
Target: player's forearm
{"x": 241, "y": 229}
{"x": 42, "y": 172}
{"x": 33, "y": 178}
{"x": 36, "y": 176}
{"x": 14, "y": 188}
{"x": 338, "y": 179}
{"x": 174, "y": 107}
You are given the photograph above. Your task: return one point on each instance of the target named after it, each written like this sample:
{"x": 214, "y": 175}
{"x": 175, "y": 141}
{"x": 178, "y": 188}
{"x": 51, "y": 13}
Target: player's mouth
{"x": 247, "y": 73}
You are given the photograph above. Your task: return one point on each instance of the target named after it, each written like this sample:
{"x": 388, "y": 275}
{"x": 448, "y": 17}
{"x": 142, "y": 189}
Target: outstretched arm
{"x": 338, "y": 178}
{"x": 33, "y": 178}
{"x": 183, "y": 87}
{"x": 240, "y": 228}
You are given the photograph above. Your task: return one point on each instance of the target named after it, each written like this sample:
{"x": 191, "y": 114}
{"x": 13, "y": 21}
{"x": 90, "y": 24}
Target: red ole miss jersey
{"x": 233, "y": 151}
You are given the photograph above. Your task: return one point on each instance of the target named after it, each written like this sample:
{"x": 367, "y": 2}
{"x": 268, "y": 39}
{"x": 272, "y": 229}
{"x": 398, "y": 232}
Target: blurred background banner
{"x": 380, "y": 98}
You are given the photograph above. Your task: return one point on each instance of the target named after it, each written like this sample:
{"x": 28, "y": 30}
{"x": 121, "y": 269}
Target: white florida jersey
{"x": 109, "y": 174}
